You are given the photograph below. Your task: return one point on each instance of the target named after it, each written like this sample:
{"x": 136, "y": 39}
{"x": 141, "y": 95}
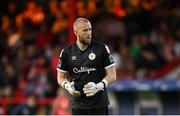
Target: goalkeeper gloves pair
{"x": 90, "y": 89}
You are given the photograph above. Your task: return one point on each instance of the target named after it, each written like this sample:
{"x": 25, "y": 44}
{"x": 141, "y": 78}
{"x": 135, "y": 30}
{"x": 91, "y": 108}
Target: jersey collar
{"x": 84, "y": 49}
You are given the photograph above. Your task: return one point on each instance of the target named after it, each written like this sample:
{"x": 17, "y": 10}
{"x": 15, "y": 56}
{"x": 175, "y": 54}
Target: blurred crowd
{"x": 143, "y": 35}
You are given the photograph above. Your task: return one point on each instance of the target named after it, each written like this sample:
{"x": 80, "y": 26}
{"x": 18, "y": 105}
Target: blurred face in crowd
{"x": 32, "y": 101}
{"x": 83, "y": 31}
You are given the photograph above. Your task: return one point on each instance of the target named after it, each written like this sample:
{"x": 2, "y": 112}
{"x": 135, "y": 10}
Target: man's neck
{"x": 81, "y": 46}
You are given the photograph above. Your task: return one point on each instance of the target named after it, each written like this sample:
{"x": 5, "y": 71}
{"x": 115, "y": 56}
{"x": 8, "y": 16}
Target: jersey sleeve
{"x": 62, "y": 65}
{"x": 108, "y": 60}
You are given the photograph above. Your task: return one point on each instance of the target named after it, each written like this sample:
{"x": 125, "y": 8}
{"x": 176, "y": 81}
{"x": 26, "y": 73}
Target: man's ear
{"x": 75, "y": 33}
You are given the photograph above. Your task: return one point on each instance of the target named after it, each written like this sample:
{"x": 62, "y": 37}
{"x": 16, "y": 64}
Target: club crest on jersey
{"x": 92, "y": 56}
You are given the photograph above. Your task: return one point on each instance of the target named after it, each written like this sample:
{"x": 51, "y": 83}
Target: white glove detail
{"x": 70, "y": 88}
{"x": 91, "y": 88}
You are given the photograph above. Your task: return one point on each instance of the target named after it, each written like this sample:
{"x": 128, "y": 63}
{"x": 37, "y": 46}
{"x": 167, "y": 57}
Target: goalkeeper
{"x": 91, "y": 68}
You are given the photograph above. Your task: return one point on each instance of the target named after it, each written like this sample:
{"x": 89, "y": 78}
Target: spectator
{"x": 27, "y": 108}
{"x": 61, "y": 103}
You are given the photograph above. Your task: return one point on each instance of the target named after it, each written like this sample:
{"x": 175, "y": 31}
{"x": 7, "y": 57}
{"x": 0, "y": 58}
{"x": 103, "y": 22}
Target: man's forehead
{"x": 83, "y": 24}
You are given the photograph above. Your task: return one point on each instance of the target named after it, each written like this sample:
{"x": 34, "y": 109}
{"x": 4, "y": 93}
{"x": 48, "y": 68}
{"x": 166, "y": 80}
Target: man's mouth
{"x": 88, "y": 37}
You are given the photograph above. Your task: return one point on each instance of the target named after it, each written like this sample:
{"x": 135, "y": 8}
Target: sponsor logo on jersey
{"x": 92, "y": 56}
{"x": 83, "y": 69}
{"x": 59, "y": 64}
{"x": 111, "y": 59}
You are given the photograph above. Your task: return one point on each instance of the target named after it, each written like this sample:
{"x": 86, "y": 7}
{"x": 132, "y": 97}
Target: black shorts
{"x": 95, "y": 111}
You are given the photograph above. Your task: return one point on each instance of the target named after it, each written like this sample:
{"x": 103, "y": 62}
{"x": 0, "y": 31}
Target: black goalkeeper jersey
{"x": 86, "y": 66}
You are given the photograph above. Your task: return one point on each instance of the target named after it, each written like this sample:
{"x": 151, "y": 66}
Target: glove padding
{"x": 70, "y": 88}
{"x": 91, "y": 88}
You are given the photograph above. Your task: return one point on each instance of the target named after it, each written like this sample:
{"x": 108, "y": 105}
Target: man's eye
{"x": 85, "y": 30}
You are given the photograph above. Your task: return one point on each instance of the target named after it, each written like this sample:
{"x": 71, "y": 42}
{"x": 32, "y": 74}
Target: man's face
{"x": 84, "y": 32}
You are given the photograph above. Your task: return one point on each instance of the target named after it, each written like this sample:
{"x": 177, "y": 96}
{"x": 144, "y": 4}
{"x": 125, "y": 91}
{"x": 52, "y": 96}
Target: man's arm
{"x": 61, "y": 77}
{"x": 110, "y": 75}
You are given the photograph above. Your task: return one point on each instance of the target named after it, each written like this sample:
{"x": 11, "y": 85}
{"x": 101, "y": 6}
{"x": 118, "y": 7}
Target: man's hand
{"x": 70, "y": 88}
{"x": 91, "y": 88}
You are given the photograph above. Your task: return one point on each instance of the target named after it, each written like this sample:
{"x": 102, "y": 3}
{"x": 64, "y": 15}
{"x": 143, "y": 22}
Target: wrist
{"x": 105, "y": 82}
{"x": 102, "y": 85}
{"x": 64, "y": 84}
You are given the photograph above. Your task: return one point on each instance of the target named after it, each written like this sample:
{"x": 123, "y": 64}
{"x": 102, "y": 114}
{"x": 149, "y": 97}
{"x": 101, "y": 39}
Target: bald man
{"x": 91, "y": 69}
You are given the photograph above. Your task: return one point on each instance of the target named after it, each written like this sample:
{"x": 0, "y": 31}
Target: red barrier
{"x": 18, "y": 100}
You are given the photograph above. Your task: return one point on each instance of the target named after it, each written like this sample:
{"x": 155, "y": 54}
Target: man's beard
{"x": 85, "y": 41}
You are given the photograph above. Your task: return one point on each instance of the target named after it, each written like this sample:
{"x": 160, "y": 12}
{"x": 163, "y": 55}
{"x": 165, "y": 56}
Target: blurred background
{"x": 143, "y": 36}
